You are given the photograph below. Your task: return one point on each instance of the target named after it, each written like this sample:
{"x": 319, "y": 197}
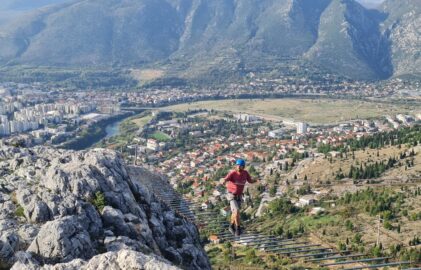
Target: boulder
{"x": 62, "y": 240}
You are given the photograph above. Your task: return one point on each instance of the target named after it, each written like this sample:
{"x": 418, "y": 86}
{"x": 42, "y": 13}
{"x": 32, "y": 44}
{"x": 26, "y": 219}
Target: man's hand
{"x": 222, "y": 181}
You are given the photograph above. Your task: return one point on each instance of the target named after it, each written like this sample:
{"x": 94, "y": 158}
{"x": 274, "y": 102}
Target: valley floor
{"x": 317, "y": 111}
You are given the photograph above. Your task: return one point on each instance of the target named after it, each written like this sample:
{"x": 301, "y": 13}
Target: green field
{"x": 160, "y": 136}
{"x": 314, "y": 111}
{"x": 141, "y": 121}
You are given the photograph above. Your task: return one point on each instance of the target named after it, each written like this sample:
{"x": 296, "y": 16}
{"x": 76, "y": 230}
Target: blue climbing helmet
{"x": 241, "y": 162}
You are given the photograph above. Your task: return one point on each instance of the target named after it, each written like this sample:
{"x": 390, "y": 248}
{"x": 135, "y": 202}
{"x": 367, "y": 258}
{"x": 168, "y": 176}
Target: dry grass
{"x": 366, "y": 225}
{"x": 146, "y": 75}
{"x": 142, "y": 121}
{"x": 320, "y": 111}
{"x": 321, "y": 169}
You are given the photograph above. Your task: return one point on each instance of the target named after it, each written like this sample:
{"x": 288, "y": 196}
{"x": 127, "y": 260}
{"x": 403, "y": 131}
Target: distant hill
{"x": 190, "y": 38}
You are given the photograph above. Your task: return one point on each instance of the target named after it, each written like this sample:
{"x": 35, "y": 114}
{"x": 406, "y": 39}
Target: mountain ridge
{"x": 194, "y": 37}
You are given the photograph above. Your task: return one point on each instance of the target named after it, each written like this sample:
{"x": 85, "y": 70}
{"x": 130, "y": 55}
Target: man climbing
{"x": 236, "y": 180}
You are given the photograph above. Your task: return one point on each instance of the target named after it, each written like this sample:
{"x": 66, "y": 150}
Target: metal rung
{"x": 256, "y": 237}
{"x": 292, "y": 248}
{"x": 184, "y": 205}
{"x": 275, "y": 244}
{"x": 253, "y": 242}
{"x": 319, "y": 254}
{"x": 181, "y": 204}
{"x": 186, "y": 212}
{"x": 356, "y": 261}
{"x": 181, "y": 209}
{"x": 200, "y": 213}
{"x": 275, "y": 241}
{"x": 187, "y": 208}
{"x": 236, "y": 238}
{"x": 186, "y": 215}
{"x": 223, "y": 225}
{"x": 212, "y": 229}
{"x": 303, "y": 251}
{"x": 378, "y": 265}
{"x": 178, "y": 200}
{"x": 187, "y": 201}
{"x": 204, "y": 213}
{"x": 257, "y": 244}
{"x": 207, "y": 217}
{"x": 244, "y": 236}
{"x": 259, "y": 237}
{"x": 204, "y": 218}
{"x": 335, "y": 257}
{"x": 209, "y": 221}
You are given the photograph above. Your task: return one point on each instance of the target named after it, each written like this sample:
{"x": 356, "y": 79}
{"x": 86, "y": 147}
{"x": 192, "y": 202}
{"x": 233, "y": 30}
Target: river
{"x": 113, "y": 129}
{"x": 94, "y": 134}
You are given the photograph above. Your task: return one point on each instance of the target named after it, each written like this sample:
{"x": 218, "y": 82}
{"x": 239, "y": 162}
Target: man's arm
{"x": 227, "y": 178}
{"x": 251, "y": 181}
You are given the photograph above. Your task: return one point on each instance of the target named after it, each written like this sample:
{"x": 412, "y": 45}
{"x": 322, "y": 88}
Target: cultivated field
{"x": 317, "y": 111}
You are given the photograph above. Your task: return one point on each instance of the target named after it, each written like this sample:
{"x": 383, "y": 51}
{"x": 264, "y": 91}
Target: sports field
{"x": 314, "y": 111}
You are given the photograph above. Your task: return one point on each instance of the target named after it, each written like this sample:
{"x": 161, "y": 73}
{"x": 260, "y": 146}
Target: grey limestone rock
{"x": 117, "y": 260}
{"x": 50, "y": 217}
{"x": 62, "y": 240}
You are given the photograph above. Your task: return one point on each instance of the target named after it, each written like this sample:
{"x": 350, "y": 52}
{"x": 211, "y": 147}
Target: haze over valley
{"x": 195, "y": 40}
{"x": 210, "y": 134}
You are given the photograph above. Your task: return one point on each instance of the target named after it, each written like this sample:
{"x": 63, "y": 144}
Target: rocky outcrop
{"x": 122, "y": 260}
{"x": 61, "y": 206}
{"x": 63, "y": 239}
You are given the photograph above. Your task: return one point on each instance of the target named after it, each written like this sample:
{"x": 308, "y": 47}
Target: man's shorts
{"x": 235, "y": 202}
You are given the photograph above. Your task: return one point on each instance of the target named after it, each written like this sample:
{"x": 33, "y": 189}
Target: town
{"x": 193, "y": 148}
{"x": 25, "y": 108}
{"x": 196, "y": 148}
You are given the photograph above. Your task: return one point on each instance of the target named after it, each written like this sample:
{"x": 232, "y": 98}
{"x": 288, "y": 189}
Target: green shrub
{"x": 19, "y": 211}
{"x": 387, "y": 225}
{"x": 99, "y": 201}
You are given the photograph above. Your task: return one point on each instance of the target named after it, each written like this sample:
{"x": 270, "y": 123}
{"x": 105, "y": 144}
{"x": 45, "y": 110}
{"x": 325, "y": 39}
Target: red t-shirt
{"x": 236, "y": 181}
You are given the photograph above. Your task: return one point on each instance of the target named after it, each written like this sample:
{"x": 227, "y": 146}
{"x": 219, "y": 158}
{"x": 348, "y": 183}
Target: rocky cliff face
{"x": 402, "y": 29}
{"x": 84, "y": 210}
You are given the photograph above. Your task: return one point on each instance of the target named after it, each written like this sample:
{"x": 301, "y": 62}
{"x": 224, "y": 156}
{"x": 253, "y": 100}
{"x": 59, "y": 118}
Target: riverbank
{"x": 128, "y": 128}
{"x": 94, "y": 133}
